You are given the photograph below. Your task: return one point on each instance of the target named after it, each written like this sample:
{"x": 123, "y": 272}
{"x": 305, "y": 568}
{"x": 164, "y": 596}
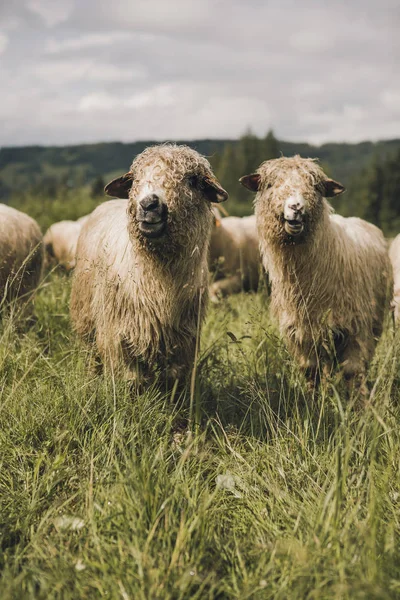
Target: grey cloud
{"x": 81, "y": 71}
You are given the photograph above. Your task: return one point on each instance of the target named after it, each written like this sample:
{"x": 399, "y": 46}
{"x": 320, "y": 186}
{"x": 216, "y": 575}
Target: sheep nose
{"x": 150, "y": 202}
{"x": 295, "y": 206}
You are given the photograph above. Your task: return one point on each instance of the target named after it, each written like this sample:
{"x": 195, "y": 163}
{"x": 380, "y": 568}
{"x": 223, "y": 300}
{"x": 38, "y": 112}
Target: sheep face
{"x": 289, "y": 202}
{"x": 169, "y": 189}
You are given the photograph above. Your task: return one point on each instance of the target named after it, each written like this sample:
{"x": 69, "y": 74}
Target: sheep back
{"x": 21, "y": 252}
{"x": 394, "y": 253}
{"x": 234, "y": 254}
{"x": 60, "y": 241}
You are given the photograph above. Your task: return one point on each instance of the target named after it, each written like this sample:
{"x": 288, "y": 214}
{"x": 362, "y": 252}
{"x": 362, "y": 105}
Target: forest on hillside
{"x": 52, "y": 183}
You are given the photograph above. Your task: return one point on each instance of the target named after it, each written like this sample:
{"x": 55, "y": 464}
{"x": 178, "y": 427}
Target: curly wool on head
{"x": 173, "y": 163}
{"x": 277, "y": 169}
{"x": 279, "y": 178}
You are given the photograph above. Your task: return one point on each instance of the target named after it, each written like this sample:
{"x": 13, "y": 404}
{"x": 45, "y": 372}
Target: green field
{"x": 246, "y": 490}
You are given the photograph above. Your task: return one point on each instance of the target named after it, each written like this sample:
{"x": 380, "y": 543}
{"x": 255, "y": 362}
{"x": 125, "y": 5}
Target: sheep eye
{"x": 193, "y": 181}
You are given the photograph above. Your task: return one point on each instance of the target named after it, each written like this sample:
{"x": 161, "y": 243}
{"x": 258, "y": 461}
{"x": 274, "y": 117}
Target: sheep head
{"x": 170, "y": 190}
{"x": 290, "y": 197}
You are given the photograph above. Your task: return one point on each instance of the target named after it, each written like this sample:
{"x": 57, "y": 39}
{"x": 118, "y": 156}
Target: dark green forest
{"x": 53, "y": 183}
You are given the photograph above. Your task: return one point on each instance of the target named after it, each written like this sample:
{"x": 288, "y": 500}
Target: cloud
{"x": 3, "y": 42}
{"x": 76, "y": 71}
{"x": 52, "y": 12}
{"x": 160, "y": 96}
{"x": 91, "y": 40}
{"x": 84, "y": 70}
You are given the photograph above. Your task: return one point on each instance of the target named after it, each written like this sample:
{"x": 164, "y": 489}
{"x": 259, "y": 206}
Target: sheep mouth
{"x": 152, "y": 229}
{"x": 294, "y": 227}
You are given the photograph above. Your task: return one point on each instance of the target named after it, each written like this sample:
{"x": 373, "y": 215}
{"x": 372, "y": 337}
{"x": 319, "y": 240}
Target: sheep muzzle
{"x": 151, "y": 214}
{"x": 294, "y": 226}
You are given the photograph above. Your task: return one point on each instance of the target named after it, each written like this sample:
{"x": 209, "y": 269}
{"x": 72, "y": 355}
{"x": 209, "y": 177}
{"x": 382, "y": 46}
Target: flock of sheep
{"x": 141, "y": 266}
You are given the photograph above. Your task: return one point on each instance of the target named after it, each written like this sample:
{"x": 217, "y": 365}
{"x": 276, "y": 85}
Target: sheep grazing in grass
{"x": 394, "y": 254}
{"x": 330, "y": 275}
{"x": 234, "y": 256}
{"x": 21, "y": 255}
{"x": 140, "y": 283}
{"x": 60, "y": 241}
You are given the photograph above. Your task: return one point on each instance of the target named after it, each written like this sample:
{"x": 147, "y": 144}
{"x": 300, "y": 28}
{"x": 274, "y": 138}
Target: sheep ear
{"x": 251, "y": 182}
{"x": 120, "y": 187}
{"x": 213, "y": 190}
{"x": 332, "y": 188}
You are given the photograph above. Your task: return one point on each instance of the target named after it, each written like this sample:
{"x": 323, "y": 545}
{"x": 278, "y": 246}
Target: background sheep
{"x": 234, "y": 255}
{"x": 394, "y": 253}
{"x": 60, "y": 241}
{"x": 330, "y": 275}
{"x": 21, "y": 254}
{"x": 140, "y": 284}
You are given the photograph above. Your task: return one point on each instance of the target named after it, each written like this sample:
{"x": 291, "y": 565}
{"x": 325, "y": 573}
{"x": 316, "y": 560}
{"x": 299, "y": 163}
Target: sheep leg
{"x": 353, "y": 368}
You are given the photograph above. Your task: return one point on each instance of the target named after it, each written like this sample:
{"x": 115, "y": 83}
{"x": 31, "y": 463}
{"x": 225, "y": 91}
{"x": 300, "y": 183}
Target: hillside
{"x": 28, "y": 166}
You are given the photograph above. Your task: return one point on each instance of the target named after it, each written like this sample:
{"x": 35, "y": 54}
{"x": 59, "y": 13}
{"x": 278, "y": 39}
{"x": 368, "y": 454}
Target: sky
{"x": 77, "y": 71}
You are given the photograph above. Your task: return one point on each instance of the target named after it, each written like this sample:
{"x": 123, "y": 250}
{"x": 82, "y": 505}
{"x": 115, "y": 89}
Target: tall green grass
{"x": 265, "y": 494}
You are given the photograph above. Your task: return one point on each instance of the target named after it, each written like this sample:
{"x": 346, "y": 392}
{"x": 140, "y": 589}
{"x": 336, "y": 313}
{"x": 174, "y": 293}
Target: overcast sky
{"x": 75, "y": 71}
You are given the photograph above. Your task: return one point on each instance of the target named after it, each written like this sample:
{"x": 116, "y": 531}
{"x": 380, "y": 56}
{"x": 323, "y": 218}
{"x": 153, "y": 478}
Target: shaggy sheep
{"x": 330, "y": 275}
{"x": 60, "y": 241}
{"x": 21, "y": 252}
{"x": 234, "y": 255}
{"x": 140, "y": 284}
{"x": 394, "y": 253}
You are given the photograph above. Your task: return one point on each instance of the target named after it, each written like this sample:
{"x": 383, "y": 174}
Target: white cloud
{"x": 160, "y": 96}
{"x": 391, "y": 100}
{"x": 88, "y": 70}
{"x": 3, "y": 42}
{"x": 97, "y": 102}
{"x": 53, "y": 12}
{"x": 91, "y": 40}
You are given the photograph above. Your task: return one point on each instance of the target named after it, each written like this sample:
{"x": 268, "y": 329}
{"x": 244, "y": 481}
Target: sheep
{"x": 234, "y": 255}
{"x": 60, "y": 241}
{"x": 330, "y": 275}
{"x": 394, "y": 254}
{"x": 21, "y": 252}
{"x": 139, "y": 289}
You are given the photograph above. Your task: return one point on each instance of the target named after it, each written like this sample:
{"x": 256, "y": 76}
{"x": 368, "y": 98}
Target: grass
{"x": 266, "y": 495}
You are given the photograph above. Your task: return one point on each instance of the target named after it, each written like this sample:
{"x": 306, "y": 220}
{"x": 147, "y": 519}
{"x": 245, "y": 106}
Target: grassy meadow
{"x": 247, "y": 490}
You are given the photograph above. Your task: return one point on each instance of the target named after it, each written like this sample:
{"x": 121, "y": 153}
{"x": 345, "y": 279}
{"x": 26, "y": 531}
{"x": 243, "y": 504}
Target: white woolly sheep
{"x": 21, "y": 254}
{"x": 234, "y": 255}
{"x": 60, "y": 241}
{"x": 330, "y": 275}
{"x": 140, "y": 283}
{"x": 394, "y": 254}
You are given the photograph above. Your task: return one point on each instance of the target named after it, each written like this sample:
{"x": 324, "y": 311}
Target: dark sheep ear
{"x": 332, "y": 188}
{"x": 120, "y": 187}
{"x": 213, "y": 190}
{"x": 251, "y": 182}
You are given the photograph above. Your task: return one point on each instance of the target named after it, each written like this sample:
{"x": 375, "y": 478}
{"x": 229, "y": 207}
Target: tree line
{"x": 373, "y": 189}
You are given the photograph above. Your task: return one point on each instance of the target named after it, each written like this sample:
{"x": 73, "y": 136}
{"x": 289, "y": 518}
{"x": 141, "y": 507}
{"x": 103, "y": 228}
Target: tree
{"x": 269, "y": 146}
{"x": 97, "y": 187}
